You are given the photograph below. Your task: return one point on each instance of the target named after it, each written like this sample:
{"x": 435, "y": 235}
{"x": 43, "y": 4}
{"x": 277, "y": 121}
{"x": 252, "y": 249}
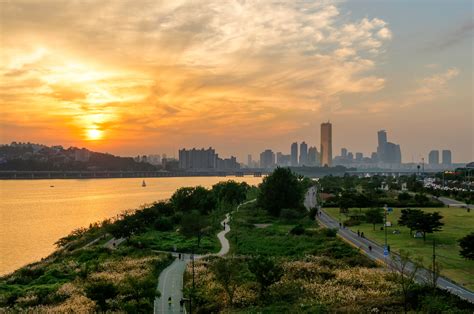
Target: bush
{"x": 101, "y": 291}
{"x": 330, "y": 232}
{"x": 291, "y": 214}
{"x": 297, "y": 230}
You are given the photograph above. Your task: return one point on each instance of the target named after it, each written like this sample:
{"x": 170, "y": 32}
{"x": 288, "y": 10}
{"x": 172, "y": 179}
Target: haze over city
{"x": 238, "y": 76}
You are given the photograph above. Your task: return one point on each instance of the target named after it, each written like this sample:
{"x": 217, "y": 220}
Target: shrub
{"x": 330, "y": 232}
{"x": 297, "y": 230}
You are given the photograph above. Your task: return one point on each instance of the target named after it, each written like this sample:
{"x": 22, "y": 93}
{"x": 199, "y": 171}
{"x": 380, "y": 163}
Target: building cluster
{"x": 205, "y": 159}
{"x": 300, "y": 156}
{"x": 433, "y": 158}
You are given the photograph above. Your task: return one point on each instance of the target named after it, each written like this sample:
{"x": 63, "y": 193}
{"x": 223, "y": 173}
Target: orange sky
{"x": 136, "y": 77}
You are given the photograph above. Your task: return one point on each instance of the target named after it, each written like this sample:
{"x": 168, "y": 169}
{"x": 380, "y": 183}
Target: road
{"x": 170, "y": 282}
{"x": 453, "y": 203}
{"x": 377, "y": 253}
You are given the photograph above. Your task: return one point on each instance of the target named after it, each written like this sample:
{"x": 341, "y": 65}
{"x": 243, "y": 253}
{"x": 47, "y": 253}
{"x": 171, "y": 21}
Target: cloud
{"x": 463, "y": 32}
{"x": 185, "y": 65}
{"x": 431, "y": 87}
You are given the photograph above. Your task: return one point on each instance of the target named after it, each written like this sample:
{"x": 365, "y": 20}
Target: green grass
{"x": 457, "y": 223}
{"x": 166, "y": 241}
{"x": 275, "y": 240}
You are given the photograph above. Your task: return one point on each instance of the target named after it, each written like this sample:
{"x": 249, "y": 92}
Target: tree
{"x": 230, "y": 193}
{"x": 281, "y": 189}
{"x": 194, "y": 224}
{"x": 404, "y": 272}
{"x": 198, "y": 198}
{"x": 409, "y": 218}
{"x": 101, "y": 291}
{"x": 467, "y": 246}
{"x": 227, "y": 272}
{"x": 266, "y": 272}
{"x": 374, "y": 216}
{"x": 428, "y": 223}
{"x": 404, "y": 197}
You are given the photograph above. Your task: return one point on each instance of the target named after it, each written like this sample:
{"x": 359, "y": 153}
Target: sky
{"x": 135, "y": 77}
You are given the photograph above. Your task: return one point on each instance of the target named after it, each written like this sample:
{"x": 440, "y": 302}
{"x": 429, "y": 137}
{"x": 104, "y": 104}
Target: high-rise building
{"x": 433, "y": 157}
{"x": 313, "y": 159}
{"x": 197, "y": 158}
{"x": 446, "y": 157}
{"x": 303, "y": 154}
{"x": 294, "y": 154}
{"x": 326, "y": 144}
{"x": 387, "y": 152}
{"x": 344, "y": 152}
{"x": 359, "y": 157}
{"x": 267, "y": 159}
{"x": 282, "y": 159}
{"x": 350, "y": 156}
{"x": 249, "y": 161}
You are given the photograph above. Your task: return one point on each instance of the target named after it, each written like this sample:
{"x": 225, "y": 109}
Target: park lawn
{"x": 457, "y": 223}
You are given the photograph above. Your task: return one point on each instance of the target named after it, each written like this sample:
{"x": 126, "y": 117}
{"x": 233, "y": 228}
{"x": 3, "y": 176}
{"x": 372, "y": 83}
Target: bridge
{"x": 12, "y": 174}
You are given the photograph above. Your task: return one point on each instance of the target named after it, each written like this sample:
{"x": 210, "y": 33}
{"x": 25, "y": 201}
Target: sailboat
{"x": 143, "y": 183}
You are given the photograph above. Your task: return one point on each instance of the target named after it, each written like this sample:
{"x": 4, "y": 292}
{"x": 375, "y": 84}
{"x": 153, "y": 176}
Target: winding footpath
{"x": 170, "y": 282}
{"x": 377, "y": 253}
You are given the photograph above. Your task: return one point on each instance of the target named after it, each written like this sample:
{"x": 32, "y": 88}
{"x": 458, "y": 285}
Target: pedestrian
{"x": 362, "y": 235}
{"x": 370, "y": 248}
{"x": 181, "y": 304}
{"x": 340, "y": 225}
{"x": 179, "y": 256}
{"x": 169, "y": 301}
{"x": 388, "y": 248}
{"x": 358, "y": 233}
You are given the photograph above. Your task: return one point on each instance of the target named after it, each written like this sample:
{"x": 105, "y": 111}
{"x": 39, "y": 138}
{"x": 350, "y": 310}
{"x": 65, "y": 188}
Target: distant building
{"x": 197, "y": 159}
{"x": 447, "y": 160}
{"x": 294, "y": 154}
{"x": 283, "y": 160}
{"x": 154, "y": 159}
{"x": 303, "y": 154}
{"x": 350, "y": 156}
{"x": 249, "y": 161}
{"x": 313, "y": 158}
{"x": 227, "y": 163}
{"x": 387, "y": 152}
{"x": 433, "y": 157}
{"x": 358, "y": 157}
{"x": 326, "y": 144}
{"x": 344, "y": 152}
{"x": 267, "y": 159}
{"x": 82, "y": 155}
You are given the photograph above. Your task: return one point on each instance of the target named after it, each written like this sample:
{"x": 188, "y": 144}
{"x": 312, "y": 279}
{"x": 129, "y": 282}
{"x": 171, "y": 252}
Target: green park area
{"x": 457, "y": 224}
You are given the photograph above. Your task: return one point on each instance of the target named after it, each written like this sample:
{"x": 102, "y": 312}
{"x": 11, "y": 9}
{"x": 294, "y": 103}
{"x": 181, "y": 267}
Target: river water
{"x": 36, "y": 213}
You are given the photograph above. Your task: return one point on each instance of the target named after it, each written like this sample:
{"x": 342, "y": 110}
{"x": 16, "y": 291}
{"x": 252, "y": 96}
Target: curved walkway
{"x": 170, "y": 282}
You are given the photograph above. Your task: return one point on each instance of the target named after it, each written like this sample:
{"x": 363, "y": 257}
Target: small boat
{"x": 51, "y": 186}
{"x": 143, "y": 183}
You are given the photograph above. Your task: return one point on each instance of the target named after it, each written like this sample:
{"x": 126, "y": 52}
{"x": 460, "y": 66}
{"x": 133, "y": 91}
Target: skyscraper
{"x": 294, "y": 154}
{"x": 433, "y": 157}
{"x": 446, "y": 157}
{"x": 387, "y": 152}
{"x": 313, "y": 156}
{"x": 249, "y": 161}
{"x": 267, "y": 159}
{"x": 303, "y": 154}
{"x": 326, "y": 144}
{"x": 343, "y": 152}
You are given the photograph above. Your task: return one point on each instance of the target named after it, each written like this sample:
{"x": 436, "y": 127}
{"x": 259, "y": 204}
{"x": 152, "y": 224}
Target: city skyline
{"x": 237, "y": 75}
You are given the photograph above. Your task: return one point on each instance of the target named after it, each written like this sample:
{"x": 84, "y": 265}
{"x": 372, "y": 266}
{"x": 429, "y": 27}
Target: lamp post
{"x": 385, "y": 225}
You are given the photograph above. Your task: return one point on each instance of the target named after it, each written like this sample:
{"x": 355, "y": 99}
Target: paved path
{"x": 170, "y": 282}
{"x": 453, "y": 203}
{"x": 377, "y": 253}
{"x": 113, "y": 243}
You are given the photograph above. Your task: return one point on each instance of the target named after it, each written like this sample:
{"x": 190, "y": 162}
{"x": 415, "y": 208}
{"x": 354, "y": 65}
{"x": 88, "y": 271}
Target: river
{"x": 36, "y": 213}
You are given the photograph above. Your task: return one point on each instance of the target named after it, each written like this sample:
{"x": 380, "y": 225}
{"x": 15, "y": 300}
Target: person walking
{"x": 370, "y": 248}
{"x": 358, "y": 233}
{"x": 362, "y": 235}
{"x": 169, "y": 302}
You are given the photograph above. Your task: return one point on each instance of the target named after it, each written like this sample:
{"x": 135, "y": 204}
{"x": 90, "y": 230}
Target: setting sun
{"x": 94, "y": 134}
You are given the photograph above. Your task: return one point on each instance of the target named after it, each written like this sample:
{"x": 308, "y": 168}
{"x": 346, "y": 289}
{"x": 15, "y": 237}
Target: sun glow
{"x": 94, "y": 134}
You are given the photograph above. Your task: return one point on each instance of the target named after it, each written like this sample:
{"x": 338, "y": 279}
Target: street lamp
{"x": 385, "y": 228}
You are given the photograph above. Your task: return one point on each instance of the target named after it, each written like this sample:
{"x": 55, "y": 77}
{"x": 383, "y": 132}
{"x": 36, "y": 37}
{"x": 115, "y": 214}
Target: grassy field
{"x": 457, "y": 223}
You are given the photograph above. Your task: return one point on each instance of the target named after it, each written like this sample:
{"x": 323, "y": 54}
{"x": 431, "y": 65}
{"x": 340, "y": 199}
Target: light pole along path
{"x": 377, "y": 253}
{"x": 170, "y": 282}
